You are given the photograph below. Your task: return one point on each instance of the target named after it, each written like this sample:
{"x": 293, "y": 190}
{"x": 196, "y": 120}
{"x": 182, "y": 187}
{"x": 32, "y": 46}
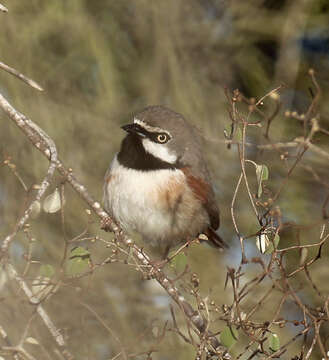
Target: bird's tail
{"x": 215, "y": 240}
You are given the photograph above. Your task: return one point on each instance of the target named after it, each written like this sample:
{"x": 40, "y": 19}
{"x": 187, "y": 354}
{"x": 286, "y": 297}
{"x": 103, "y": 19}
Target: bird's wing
{"x": 203, "y": 190}
{"x": 198, "y": 177}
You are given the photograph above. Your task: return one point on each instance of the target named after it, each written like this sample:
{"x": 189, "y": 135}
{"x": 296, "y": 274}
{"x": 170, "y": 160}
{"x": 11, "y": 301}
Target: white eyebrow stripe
{"x": 150, "y": 128}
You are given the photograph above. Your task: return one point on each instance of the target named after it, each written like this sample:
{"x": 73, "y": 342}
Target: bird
{"x": 158, "y": 184}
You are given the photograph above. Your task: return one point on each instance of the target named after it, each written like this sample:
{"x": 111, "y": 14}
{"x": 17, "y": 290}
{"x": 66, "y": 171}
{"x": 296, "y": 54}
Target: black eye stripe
{"x": 141, "y": 130}
{"x": 154, "y": 136}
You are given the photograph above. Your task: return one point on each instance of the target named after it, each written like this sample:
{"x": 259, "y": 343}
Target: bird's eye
{"x": 162, "y": 138}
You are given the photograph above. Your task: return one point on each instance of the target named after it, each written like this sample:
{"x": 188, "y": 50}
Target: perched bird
{"x": 158, "y": 184}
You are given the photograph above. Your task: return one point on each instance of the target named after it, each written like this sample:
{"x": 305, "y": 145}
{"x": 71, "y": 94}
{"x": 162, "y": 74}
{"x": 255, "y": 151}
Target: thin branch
{"x": 285, "y": 180}
{"x": 275, "y": 90}
{"x": 314, "y": 148}
{"x": 51, "y": 151}
{"x": 280, "y": 145}
{"x": 303, "y": 246}
{"x": 40, "y": 310}
{"x": 20, "y": 76}
{"x": 113, "y": 334}
{"x": 242, "y": 150}
{"x": 233, "y": 202}
{"x": 19, "y": 350}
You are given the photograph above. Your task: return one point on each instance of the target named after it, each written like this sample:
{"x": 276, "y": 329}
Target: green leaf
{"x": 77, "y": 266}
{"x": 238, "y": 133}
{"x": 275, "y": 242}
{"x": 265, "y": 245}
{"x": 274, "y": 342}
{"x": 227, "y": 131}
{"x": 265, "y": 172}
{"x": 179, "y": 262}
{"x": 262, "y": 242}
{"x": 79, "y": 251}
{"x": 78, "y": 262}
{"x": 229, "y": 336}
{"x": 46, "y": 270}
{"x": 261, "y": 175}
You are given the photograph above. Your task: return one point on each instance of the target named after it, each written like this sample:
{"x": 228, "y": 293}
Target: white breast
{"x": 158, "y": 204}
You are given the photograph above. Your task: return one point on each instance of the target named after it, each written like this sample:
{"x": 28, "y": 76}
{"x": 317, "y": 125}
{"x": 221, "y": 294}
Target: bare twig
{"x": 50, "y": 150}
{"x": 22, "y": 77}
{"x": 40, "y": 310}
{"x": 113, "y": 334}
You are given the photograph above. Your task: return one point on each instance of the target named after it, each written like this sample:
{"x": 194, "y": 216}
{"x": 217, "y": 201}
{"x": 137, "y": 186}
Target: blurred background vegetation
{"x": 99, "y": 61}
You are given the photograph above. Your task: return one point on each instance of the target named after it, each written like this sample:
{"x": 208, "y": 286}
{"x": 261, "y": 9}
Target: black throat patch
{"x": 132, "y": 155}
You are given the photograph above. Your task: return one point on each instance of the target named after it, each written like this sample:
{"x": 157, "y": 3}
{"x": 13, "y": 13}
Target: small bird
{"x": 158, "y": 184}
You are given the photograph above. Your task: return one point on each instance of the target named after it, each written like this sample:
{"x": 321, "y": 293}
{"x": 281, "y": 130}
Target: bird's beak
{"x": 134, "y": 129}
{"x": 129, "y": 128}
